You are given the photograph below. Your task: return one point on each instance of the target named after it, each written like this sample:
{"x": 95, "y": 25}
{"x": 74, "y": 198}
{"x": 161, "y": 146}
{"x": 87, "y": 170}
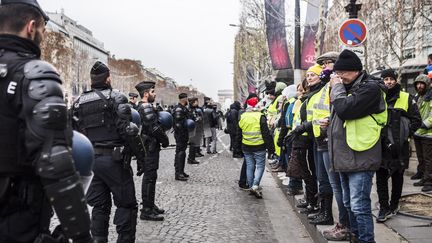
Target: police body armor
{"x": 180, "y": 114}
{"x": 96, "y": 113}
{"x": 152, "y": 131}
{"x": 35, "y": 138}
{"x": 12, "y": 153}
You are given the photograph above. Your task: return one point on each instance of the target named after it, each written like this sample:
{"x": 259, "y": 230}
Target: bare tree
{"x": 251, "y": 57}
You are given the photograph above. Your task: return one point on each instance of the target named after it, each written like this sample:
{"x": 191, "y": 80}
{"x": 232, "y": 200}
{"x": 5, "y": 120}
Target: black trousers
{"x": 243, "y": 178}
{"x": 308, "y": 172}
{"x": 419, "y": 152}
{"x": 232, "y": 141}
{"x": 426, "y": 147}
{"x": 382, "y": 177}
{"x": 112, "y": 181}
{"x": 180, "y": 152}
{"x": 148, "y": 186}
{"x": 25, "y": 212}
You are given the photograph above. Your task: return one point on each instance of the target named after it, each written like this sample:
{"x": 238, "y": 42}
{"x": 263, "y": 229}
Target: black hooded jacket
{"x": 396, "y": 149}
{"x": 232, "y": 118}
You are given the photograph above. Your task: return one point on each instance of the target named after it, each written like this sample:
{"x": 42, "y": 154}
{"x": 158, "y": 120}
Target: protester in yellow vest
{"x": 424, "y": 136}
{"x": 404, "y": 120}
{"x": 255, "y": 141}
{"x": 359, "y": 112}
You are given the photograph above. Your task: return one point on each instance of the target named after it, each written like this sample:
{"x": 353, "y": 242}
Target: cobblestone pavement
{"x": 211, "y": 208}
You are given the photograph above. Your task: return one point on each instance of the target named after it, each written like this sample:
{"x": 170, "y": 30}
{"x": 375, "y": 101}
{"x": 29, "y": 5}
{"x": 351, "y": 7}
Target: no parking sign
{"x": 353, "y": 32}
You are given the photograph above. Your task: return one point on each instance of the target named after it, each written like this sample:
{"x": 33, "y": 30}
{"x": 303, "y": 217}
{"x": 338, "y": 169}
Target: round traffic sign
{"x": 353, "y": 32}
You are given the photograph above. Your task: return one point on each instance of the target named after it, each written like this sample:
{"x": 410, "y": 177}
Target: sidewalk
{"x": 399, "y": 228}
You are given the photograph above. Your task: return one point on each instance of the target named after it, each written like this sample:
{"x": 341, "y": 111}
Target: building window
{"x": 408, "y": 53}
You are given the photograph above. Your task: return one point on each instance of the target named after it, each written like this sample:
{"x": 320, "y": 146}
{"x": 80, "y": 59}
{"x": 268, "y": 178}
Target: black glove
{"x": 291, "y": 137}
{"x": 140, "y": 168}
{"x": 299, "y": 129}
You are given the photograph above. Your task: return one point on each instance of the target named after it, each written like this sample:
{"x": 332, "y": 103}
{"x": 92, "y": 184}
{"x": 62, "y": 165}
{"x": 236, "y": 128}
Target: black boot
{"x": 192, "y": 154}
{"x": 181, "y": 177}
{"x": 320, "y": 202}
{"x": 417, "y": 176}
{"x": 310, "y": 209}
{"x": 158, "y": 210}
{"x": 326, "y": 218}
{"x": 150, "y": 214}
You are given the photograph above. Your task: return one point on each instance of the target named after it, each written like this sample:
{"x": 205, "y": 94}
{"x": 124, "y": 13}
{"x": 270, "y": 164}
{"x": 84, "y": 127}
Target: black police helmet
{"x": 82, "y": 153}
{"x": 166, "y": 120}
{"x": 136, "y": 118}
{"x": 32, "y": 3}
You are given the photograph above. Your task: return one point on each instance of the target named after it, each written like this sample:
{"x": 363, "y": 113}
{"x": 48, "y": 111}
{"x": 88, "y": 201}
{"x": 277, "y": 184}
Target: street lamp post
{"x": 352, "y": 9}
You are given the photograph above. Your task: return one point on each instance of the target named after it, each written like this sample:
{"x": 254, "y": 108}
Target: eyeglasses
{"x": 340, "y": 73}
{"x": 328, "y": 62}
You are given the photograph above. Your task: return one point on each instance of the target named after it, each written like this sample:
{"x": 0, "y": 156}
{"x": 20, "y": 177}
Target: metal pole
{"x": 352, "y": 9}
{"x": 297, "y": 50}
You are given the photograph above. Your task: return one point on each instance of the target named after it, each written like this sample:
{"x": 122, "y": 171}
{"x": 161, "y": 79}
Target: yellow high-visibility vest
{"x": 251, "y": 129}
{"x": 321, "y": 109}
{"x": 402, "y": 101}
{"x": 363, "y": 133}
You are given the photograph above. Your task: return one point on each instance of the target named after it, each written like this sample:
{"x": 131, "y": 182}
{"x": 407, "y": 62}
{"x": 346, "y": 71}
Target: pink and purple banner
{"x": 310, "y": 31}
{"x": 276, "y": 34}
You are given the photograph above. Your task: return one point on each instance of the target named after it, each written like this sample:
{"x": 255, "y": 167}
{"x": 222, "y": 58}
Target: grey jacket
{"x": 365, "y": 99}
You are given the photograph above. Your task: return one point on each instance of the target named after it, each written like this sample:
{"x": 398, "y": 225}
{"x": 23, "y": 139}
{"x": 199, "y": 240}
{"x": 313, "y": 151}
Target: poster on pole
{"x": 276, "y": 34}
{"x": 309, "y": 36}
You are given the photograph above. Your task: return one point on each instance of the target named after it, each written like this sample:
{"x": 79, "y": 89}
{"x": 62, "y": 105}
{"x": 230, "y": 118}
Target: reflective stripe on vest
{"x": 297, "y": 118}
{"x": 402, "y": 101}
{"x": 321, "y": 109}
{"x": 363, "y": 133}
{"x": 251, "y": 129}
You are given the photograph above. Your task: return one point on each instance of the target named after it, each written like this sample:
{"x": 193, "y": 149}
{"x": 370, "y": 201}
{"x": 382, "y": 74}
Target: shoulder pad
{"x": 118, "y": 97}
{"x": 149, "y": 116}
{"x": 40, "y": 89}
{"x": 37, "y": 69}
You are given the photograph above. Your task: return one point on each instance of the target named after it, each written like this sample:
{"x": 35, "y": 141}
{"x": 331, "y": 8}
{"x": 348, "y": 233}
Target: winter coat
{"x": 365, "y": 99}
{"x": 425, "y": 108}
{"x": 401, "y": 125}
{"x": 232, "y": 118}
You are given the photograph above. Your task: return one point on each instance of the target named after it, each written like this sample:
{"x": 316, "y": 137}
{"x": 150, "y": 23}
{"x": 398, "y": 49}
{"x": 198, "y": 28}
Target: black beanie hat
{"x": 348, "y": 61}
{"x": 389, "y": 73}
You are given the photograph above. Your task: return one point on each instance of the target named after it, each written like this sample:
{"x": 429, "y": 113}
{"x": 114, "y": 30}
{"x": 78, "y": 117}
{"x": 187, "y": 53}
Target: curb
{"x": 314, "y": 232}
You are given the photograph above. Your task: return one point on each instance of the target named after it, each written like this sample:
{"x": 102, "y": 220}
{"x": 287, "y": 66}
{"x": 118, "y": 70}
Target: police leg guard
{"x": 125, "y": 220}
{"x": 182, "y": 161}
{"x": 67, "y": 198}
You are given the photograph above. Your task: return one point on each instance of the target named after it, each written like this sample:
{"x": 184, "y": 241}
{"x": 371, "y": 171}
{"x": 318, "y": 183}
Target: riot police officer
{"x": 35, "y": 158}
{"x": 133, "y": 99}
{"x": 153, "y": 135}
{"x": 104, "y": 116}
{"x": 181, "y": 135}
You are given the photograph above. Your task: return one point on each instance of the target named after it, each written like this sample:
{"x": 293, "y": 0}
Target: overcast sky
{"x": 188, "y": 40}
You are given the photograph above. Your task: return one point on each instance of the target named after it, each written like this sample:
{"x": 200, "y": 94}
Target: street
{"x": 210, "y": 207}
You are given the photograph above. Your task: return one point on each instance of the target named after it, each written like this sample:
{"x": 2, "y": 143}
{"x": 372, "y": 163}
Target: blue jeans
{"x": 356, "y": 190}
{"x": 321, "y": 172}
{"x": 255, "y": 163}
{"x": 335, "y": 182}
